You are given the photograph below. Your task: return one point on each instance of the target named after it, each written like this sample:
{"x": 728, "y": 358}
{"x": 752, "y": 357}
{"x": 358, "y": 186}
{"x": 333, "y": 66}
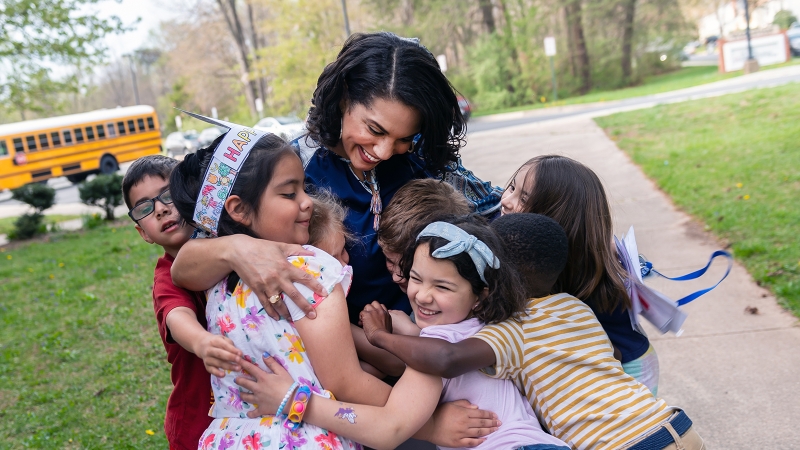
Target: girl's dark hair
{"x": 384, "y": 65}
{"x": 251, "y": 182}
{"x": 572, "y": 195}
{"x": 506, "y": 293}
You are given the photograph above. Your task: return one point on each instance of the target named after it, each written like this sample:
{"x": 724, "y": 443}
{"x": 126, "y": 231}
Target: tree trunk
{"x": 627, "y": 39}
{"x": 262, "y": 87}
{"x": 407, "y": 12}
{"x": 235, "y": 27}
{"x": 487, "y": 9}
{"x": 575, "y": 34}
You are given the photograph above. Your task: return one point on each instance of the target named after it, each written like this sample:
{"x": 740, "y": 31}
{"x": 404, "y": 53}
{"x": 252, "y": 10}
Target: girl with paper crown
{"x": 252, "y": 184}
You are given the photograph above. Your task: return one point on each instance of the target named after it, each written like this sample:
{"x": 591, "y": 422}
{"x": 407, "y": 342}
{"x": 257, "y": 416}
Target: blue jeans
{"x": 544, "y": 447}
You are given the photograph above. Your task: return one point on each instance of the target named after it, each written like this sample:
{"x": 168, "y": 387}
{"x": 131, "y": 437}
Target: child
{"x": 572, "y": 195}
{"x": 457, "y": 281}
{"x": 414, "y": 205}
{"x": 264, "y": 197}
{"x": 558, "y": 355}
{"x": 181, "y": 323}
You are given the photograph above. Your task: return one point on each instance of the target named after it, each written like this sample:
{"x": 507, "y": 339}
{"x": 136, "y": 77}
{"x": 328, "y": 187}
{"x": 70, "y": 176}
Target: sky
{"x": 151, "y": 13}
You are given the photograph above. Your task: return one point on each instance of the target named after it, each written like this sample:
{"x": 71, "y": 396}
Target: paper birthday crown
{"x": 222, "y": 170}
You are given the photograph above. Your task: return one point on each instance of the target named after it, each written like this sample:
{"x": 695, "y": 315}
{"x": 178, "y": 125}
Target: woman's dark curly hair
{"x": 506, "y": 293}
{"x": 384, "y": 65}
{"x": 254, "y": 176}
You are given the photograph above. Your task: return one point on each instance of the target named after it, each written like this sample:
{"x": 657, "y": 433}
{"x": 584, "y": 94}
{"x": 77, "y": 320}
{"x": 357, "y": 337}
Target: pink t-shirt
{"x": 520, "y": 426}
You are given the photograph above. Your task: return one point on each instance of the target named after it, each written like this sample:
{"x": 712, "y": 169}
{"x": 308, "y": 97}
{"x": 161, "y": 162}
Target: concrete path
{"x": 736, "y": 374}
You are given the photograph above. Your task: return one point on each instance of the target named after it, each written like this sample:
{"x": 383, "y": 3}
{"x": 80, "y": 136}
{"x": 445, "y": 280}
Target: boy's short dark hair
{"x": 153, "y": 165}
{"x": 416, "y": 204}
{"x": 537, "y": 246}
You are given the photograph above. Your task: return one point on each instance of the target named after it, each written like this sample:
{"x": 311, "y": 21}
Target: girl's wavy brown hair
{"x": 572, "y": 195}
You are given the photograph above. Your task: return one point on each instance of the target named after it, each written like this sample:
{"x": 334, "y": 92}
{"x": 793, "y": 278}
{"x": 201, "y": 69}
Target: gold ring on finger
{"x": 275, "y": 299}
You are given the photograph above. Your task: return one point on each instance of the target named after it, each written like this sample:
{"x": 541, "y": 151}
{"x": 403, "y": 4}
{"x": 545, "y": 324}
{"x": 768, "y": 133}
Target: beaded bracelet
{"x": 298, "y": 408}
{"x": 286, "y": 399}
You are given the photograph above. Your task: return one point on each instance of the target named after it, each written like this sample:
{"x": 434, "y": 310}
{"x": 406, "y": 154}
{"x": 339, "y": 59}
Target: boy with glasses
{"x": 180, "y": 314}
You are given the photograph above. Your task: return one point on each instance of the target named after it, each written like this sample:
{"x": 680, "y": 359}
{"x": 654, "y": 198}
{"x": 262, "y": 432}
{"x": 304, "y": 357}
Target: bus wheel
{"x": 77, "y": 178}
{"x": 108, "y": 165}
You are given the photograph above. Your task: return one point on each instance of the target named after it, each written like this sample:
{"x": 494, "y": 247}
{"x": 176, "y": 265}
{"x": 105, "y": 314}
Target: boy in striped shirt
{"x": 558, "y": 355}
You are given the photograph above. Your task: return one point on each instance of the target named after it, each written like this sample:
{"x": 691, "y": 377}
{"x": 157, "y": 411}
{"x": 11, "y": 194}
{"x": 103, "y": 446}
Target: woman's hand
{"x": 263, "y": 267}
{"x": 375, "y": 319}
{"x": 268, "y": 389}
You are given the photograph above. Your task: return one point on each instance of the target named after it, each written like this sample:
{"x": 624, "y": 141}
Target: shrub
{"x": 784, "y": 19}
{"x": 104, "y": 191}
{"x": 39, "y": 197}
{"x": 92, "y": 221}
{"x": 28, "y": 226}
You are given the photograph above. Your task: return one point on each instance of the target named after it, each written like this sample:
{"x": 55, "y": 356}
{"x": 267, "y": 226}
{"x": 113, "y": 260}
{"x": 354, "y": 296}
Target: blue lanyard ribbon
{"x": 648, "y": 269}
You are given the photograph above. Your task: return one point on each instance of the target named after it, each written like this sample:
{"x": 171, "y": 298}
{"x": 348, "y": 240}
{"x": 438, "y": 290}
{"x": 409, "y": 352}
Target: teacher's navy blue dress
{"x": 371, "y": 280}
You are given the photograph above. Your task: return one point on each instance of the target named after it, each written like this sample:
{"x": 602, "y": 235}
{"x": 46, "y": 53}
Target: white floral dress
{"x": 239, "y": 316}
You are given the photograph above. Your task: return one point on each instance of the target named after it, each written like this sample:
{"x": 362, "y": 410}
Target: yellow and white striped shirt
{"x": 559, "y": 356}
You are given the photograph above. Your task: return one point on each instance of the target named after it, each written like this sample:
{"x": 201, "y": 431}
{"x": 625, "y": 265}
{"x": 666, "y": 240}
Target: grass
{"x": 731, "y": 162}
{"x": 81, "y": 362}
{"x": 7, "y": 223}
{"x": 679, "y": 79}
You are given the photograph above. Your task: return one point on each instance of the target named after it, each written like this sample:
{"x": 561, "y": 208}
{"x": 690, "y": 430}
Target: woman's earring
{"x": 341, "y": 128}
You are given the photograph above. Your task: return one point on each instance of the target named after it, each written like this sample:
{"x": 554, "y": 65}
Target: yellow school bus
{"x": 76, "y": 145}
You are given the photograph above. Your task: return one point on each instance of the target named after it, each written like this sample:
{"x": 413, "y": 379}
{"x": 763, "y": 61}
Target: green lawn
{"x": 680, "y": 79}
{"x": 81, "y": 362}
{"x": 734, "y": 163}
{"x": 7, "y": 223}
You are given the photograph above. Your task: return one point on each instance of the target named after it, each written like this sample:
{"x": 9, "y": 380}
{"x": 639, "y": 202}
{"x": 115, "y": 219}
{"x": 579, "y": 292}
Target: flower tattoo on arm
{"x": 347, "y": 414}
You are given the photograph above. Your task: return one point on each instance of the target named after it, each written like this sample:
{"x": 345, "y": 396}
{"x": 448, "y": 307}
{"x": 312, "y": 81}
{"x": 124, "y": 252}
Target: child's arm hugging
{"x": 431, "y": 356}
{"x": 217, "y": 352}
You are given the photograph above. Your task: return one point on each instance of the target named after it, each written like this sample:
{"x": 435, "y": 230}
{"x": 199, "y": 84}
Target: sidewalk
{"x": 736, "y": 374}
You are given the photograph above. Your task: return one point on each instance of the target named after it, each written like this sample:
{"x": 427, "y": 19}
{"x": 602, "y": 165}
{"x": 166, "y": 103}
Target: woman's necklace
{"x": 370, "y": 183}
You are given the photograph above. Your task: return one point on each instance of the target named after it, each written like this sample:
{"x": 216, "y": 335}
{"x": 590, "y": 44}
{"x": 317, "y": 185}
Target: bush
{"x": 784, "y": 19}
{"x": 104, "y": 191}
{"x": 92, "y": 221}
{"x": 28, "y": 226}
{"x": 40, "y": 196}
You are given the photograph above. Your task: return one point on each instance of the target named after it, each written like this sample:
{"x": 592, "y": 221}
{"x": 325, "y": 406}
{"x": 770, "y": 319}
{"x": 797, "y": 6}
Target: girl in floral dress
{"x": 273, "y": 207}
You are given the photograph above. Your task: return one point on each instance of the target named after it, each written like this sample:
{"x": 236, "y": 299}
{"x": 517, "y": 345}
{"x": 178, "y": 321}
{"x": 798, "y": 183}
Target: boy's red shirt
{"x": 187, "y": 408}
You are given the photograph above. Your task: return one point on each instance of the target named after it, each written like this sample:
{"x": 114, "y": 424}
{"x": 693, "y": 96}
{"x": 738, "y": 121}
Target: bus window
{"x": 78, "y": 135}
{"x": 67, "y": 137}
{"x": 150, "y": 124}
{"x": 18, "y": 148}
{"x": 140, "y": 122}
{"x": 31, "y": 143}
{"x": 55, "y": 138}
{"x": 131, "y": 126}
{"x": 111, "y": 131}
{"x": 43, "y": 141}
{"x": 121, "y": 128}
{"x": 101, "y": 132}
{"x": 89, "y": 133}
{"x": 3, "y": 148}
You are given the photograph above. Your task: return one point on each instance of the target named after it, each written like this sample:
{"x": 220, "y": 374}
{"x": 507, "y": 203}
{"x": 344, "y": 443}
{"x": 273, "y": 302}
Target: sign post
{"x": 442, "y": 60}
{"x": 260, "y": 108}
{"x": 550, "y": 51}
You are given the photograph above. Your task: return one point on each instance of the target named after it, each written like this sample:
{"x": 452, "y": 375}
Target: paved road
{"x": 766, "y": 78}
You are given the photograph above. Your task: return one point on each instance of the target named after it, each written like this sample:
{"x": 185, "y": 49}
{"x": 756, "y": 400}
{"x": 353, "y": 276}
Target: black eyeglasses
{"x": 145, "y": 208}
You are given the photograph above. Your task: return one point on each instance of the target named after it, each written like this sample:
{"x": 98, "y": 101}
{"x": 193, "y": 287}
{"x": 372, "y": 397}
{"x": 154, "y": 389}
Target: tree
{"x": 578, "y": 53}
{"x": 629, "y": 9}
{"x": 104, "y": 191}
{"x": 34, "y": 33}
{"x": 39, "y": 197}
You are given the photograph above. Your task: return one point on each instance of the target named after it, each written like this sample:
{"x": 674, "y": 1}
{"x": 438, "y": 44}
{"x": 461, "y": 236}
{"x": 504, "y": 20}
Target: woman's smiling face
{"x": 375, "y": 133}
